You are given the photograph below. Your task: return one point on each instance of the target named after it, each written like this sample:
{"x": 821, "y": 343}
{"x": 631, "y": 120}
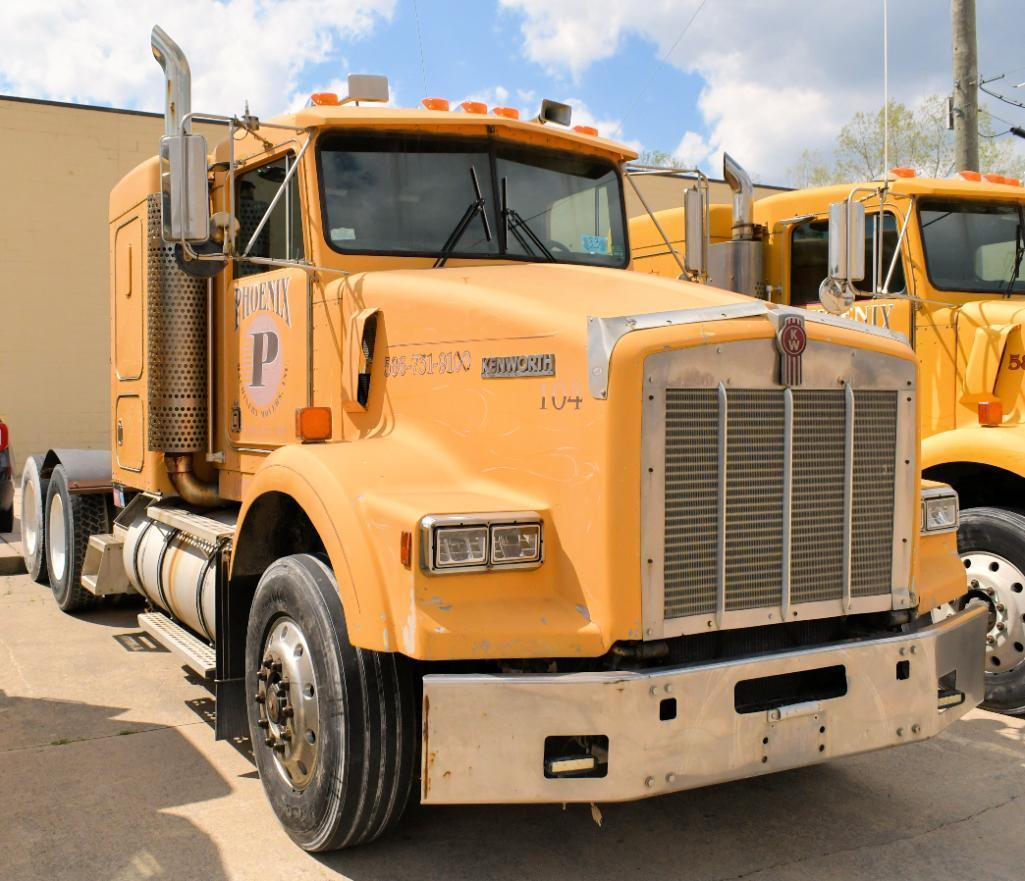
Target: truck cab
{"x": 452, "y": 507}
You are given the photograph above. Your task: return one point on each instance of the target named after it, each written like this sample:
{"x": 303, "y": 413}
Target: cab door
{"x": 808, "y": 250}
{"x": 266, "y": 314}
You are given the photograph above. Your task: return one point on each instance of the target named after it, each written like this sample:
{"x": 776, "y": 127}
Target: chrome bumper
{"x": 484, "y": 736}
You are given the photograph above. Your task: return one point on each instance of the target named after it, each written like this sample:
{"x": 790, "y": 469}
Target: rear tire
{"x": 335, "y": 728}
{"x": 33, "y": 521}
{"x": 991, "y": 542}
{"x": 70, "y": 520}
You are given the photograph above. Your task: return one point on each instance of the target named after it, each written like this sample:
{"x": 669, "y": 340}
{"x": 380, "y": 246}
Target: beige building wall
{"x": 59, "y": 163}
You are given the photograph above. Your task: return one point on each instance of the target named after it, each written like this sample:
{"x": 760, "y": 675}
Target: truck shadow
{"x": 99, "y": 807}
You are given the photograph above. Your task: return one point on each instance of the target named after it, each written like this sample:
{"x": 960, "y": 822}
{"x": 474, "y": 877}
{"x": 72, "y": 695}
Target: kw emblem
{"x": 792, "y": 340}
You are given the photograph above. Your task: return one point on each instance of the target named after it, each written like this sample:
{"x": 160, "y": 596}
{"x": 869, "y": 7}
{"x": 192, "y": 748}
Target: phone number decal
{"x": 427, "y": 363}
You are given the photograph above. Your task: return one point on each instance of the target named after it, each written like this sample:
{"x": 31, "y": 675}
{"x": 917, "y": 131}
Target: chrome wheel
{"x": 1001, "y": 583}
{"x": 30, "y": 521}
{"x": 289, "y": 702}
{"x": 58, "y": 539}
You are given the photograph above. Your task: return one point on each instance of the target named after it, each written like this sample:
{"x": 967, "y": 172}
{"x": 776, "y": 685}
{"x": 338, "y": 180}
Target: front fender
{"x": 345, "y": 491}
{"x": 1001, "y": 447}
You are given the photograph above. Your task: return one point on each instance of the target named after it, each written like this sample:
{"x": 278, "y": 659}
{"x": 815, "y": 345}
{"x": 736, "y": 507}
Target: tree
{"x": 657, "y": 157}
{"x": 919, "y": 139}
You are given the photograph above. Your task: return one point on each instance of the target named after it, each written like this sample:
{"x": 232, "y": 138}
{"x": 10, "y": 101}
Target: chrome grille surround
{"x": 761, "y": 503}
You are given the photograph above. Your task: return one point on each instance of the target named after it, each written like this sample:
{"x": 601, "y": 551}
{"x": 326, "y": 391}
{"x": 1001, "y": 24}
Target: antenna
{"x": 886, "y": 94}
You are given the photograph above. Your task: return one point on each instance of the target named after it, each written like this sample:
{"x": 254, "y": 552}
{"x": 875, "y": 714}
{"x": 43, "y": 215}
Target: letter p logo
{"x": 265, "y": 351}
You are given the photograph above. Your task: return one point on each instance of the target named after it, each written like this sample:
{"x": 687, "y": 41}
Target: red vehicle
{"x": 6, "y": 481}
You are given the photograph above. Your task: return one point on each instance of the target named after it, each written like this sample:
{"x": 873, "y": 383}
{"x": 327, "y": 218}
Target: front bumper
{"x": 484, "y": 736}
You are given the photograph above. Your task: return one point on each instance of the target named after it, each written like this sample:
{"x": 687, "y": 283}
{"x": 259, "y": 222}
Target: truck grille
{"x": 777, "y": 497}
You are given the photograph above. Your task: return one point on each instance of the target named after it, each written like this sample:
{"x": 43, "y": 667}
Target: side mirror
{"x": 183, "y": 184}
{"x": 846, "y": 256}
{"x": 695, "y": 256}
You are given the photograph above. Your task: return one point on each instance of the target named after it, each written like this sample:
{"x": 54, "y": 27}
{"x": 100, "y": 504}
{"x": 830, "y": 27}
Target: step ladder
{"x": 197, "y": 655}
{"x": 103, "y": 569}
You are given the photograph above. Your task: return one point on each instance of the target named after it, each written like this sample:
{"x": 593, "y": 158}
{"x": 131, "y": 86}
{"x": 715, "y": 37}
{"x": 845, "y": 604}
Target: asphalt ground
{"x": 109, "y": 770}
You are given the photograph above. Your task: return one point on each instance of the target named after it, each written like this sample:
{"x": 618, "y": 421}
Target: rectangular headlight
{"x": 458, "y": 546}
{"x": 939, "y": 510}
{"x": 478, "y": 542}
{"x": 520, "y": 543}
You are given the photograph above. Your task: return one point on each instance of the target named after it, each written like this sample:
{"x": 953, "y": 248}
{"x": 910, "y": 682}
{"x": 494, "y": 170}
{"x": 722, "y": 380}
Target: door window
{"x": 281, "y": 236}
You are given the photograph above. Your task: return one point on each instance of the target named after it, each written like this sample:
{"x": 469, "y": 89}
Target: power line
{"x": 420, "y": 44}
{"x": 641, "y": 94}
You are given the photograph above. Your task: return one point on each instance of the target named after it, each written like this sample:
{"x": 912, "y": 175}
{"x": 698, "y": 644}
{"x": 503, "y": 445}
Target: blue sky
{"x": 764, "y": 79}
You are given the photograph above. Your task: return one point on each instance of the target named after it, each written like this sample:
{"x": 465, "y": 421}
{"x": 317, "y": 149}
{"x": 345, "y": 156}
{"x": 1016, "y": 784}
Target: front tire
{"x": 33, "y": 520}
{"x": 991, "y": 542}
{"x": 334, "y": 728}
{"x": 70, "y": 520}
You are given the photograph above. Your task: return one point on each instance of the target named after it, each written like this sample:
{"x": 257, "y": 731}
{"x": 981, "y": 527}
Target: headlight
{"x": 476, "y": 542}
{"x": 939, "y": 510}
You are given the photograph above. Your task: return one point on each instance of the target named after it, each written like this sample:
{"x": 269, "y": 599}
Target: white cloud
{"x": 778, "y": 77}
{"x": 237, "y": 49}
{"x": 692, "y": 151}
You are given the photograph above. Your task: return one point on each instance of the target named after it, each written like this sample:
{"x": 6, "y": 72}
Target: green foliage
{"x": 657, "y": 157}
{"x": 918, "y": 139}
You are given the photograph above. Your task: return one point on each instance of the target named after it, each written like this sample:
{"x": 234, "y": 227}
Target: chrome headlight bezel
{"x": 490, "y": 521}
{"x": 935, "y": 498}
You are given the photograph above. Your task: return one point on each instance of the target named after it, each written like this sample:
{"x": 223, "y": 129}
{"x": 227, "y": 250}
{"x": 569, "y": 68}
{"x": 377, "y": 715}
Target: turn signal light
{"x": 586, "y": 130}
{"x": 435, "y": 103}
{"x": 406, "y": 549}
{"x": 971, "y": 175}
{"x": 313, "y": 423}
{"x": 324, "y": 99}
{"x": 473, "y": 107}
{"x": 902, "y": 172}
{"x": 991, "y": 413}
{"x": 507, "y": 112}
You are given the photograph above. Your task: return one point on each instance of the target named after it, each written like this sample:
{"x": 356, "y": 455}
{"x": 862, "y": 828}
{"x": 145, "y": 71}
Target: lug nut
{"x": 261, "y": 675}
{"x": 990, "y": 639}
{"x": 916, "y": 729}
{"x": 269, "y": 741}
{"x": 287, "y": 713}
{"x": 1001, "y": 607}
{"x": 1001, "y": 625}
{"x": 263, "y": 723}
{"x": 267, "y": 660}
{"x": 975, "y": 582}
{"x": 990, "y": 591}
{"x": 279, "y": 747}
{"x": 259, "y": 698}
{"x": 670, "y": 778}
{"x": 283, "y": 683}
{"x": 900, "y": 732}
{"x": 649, "y": 782}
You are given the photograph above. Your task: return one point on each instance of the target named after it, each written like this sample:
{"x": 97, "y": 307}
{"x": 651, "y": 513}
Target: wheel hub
{"x": 30, "y": 520}
{"x": 288, "y": 700}
{"x": 57, "y": 540}
{"x": 1001, "y": 584}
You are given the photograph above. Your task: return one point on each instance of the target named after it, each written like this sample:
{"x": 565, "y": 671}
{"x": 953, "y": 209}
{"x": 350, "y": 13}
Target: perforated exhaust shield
{"x": 175, "y": 348}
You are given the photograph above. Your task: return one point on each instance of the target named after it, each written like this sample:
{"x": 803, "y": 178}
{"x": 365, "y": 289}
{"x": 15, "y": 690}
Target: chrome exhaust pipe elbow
{"x": 743, "y": 196}
{"x": 177, "y": 83}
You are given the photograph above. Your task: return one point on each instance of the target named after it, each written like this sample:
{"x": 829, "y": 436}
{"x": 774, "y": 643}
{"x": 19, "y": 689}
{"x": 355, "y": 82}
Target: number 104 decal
{"x": 560, "y": 396}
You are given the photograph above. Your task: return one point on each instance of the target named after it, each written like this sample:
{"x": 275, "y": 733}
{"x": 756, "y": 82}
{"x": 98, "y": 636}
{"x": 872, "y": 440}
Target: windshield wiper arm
{"x": 475, "y": 207}
{"x": 518, "y": 226}
{"x": 1019, "y": 253}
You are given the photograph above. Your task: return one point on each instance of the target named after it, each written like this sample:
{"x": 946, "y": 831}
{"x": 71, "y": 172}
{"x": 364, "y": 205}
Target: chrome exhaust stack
{"x": 177, "y": 83}
{"x": 736, "y": 265}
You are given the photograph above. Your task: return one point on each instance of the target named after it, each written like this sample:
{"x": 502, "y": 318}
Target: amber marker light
{"x": 324, "y": 99}
{"x": 902, "y": 172}
{"x": 586, "y": 130}
{"x": 507, "y": 112}
{"x": 313, "y": 423}
{"x": 991, "y": 413}
{"x": 406, "y": 549}
{"x": 995, "y": 178}
{"x": 435, "y": 103}
{"x": 971, "y": 175}
{"x": 473, "y": 107}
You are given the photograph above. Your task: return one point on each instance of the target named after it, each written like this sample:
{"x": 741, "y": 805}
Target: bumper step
{"x": 197, "y": 655}
{"x": 103, "y": 569}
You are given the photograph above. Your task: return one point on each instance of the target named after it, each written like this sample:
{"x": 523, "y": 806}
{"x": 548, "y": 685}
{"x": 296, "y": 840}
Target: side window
{"x": 809, "y": 258}
{"x": 281, "y": 236}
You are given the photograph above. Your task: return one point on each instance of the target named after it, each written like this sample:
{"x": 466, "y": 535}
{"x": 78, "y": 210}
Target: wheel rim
{"x": 30, "y": 521}
{"x": 1003, "y": 584}
{"x": 289, "y": 702}
{"x": 57, "y": 539}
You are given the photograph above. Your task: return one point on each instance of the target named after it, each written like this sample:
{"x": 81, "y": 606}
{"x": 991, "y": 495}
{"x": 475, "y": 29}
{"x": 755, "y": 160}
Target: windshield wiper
{"x": 475, "y": 207}
{"x": 516, "y": 225}
{"x": 1019, "y": 253}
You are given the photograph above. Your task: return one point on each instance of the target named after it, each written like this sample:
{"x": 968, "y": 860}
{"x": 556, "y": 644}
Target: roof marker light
{"x": 507, "y": 112}
{"x": 995, "y": 178}
{"x": 435, "y": 103}
{"x": 902, "y": 172}
{"x": 324, "y": 99}
{"x": 473, "y": 107}
{"x": 586, "y": 130}
{"x": 971, "y": 175}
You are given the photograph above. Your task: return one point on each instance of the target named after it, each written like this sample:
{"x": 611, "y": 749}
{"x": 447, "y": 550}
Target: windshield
{"x": 410, "y": 195}
{"x": 972, "y": 246}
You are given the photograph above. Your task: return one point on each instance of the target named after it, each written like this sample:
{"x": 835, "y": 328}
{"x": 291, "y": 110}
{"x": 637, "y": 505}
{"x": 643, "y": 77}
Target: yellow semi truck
{"x": 453, "y": 508}
{"x": 940, "y": 262}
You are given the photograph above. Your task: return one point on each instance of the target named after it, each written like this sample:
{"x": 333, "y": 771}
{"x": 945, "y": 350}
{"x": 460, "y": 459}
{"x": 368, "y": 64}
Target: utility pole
{"x": 966, "y": 85}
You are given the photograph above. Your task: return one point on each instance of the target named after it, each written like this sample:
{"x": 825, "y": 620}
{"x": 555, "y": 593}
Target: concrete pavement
{"x": 109, "y": 770}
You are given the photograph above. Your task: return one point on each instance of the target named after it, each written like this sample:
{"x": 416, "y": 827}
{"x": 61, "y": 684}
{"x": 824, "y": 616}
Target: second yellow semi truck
{"x": 452, "y": 508}
{"x": 939, "y": 262}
